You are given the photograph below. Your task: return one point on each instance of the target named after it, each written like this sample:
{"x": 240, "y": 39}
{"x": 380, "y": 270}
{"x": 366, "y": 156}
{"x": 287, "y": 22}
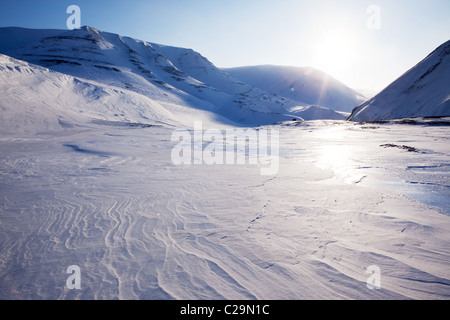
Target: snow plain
{"x": 108, "y": 199}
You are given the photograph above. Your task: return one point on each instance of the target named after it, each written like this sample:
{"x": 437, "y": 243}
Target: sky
{"x": 366, "y": 44}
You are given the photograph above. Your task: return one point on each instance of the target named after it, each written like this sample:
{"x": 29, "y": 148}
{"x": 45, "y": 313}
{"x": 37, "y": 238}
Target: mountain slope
{"x": 36, "y": 99}
{"x": 306, "y": 86}
{"x": 423, "y": 91}
{"x": 161, "y": 72}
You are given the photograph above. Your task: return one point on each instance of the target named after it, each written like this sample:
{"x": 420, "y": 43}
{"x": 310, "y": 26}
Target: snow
{"x": 109, "y": 199}
{"x": 87, "y": 179}
{"x": 423, "y": 91}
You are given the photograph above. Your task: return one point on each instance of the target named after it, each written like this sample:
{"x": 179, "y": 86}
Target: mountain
{"x": 146, "y": 69}
{"x": 306, "y": 86}
{"x": 176, "y": 78}
{"x": 423, "y": 91}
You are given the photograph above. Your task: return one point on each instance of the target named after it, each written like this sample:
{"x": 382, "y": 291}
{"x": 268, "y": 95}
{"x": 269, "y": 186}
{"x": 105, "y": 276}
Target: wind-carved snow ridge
{"x": 109, "y": 200}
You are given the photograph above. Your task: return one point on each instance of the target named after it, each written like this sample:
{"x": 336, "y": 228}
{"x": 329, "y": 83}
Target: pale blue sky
{"x": 331, "y": 35}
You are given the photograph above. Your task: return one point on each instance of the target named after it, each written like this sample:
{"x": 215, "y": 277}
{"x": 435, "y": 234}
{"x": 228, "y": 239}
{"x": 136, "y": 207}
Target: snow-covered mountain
{"x": 168, "y": 76}
{"x": 305, "y": 85}
{"x": 144, "y": 68}
{"x": 423, "y": 91}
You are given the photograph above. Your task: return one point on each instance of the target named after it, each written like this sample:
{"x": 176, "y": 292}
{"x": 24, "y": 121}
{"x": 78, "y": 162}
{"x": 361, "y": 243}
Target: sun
{"x": 335, "y": 53}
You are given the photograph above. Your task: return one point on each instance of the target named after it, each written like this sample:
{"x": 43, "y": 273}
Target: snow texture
{"x": 108, "y": 199}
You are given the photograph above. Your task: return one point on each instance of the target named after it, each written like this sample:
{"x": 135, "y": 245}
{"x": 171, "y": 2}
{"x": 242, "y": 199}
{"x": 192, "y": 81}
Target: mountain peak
{"x": 89, "y": 29}
{"x": 86, "y": 32}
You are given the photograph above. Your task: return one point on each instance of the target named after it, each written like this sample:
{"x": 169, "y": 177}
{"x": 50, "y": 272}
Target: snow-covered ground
{"x": 109, "y": 199}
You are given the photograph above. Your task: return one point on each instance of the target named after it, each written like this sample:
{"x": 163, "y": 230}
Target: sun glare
{"x": 335, "y": 53}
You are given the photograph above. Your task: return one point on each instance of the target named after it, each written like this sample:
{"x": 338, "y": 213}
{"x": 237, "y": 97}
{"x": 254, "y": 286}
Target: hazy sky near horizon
{"x": 365, "y": 44}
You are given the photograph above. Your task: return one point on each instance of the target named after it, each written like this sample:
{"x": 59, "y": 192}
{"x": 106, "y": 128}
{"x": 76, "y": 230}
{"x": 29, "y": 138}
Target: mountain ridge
{"x": 183, "y": 76}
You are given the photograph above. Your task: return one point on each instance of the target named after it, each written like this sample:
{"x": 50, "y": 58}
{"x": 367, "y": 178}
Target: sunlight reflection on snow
{"x": 339, "y": 158}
